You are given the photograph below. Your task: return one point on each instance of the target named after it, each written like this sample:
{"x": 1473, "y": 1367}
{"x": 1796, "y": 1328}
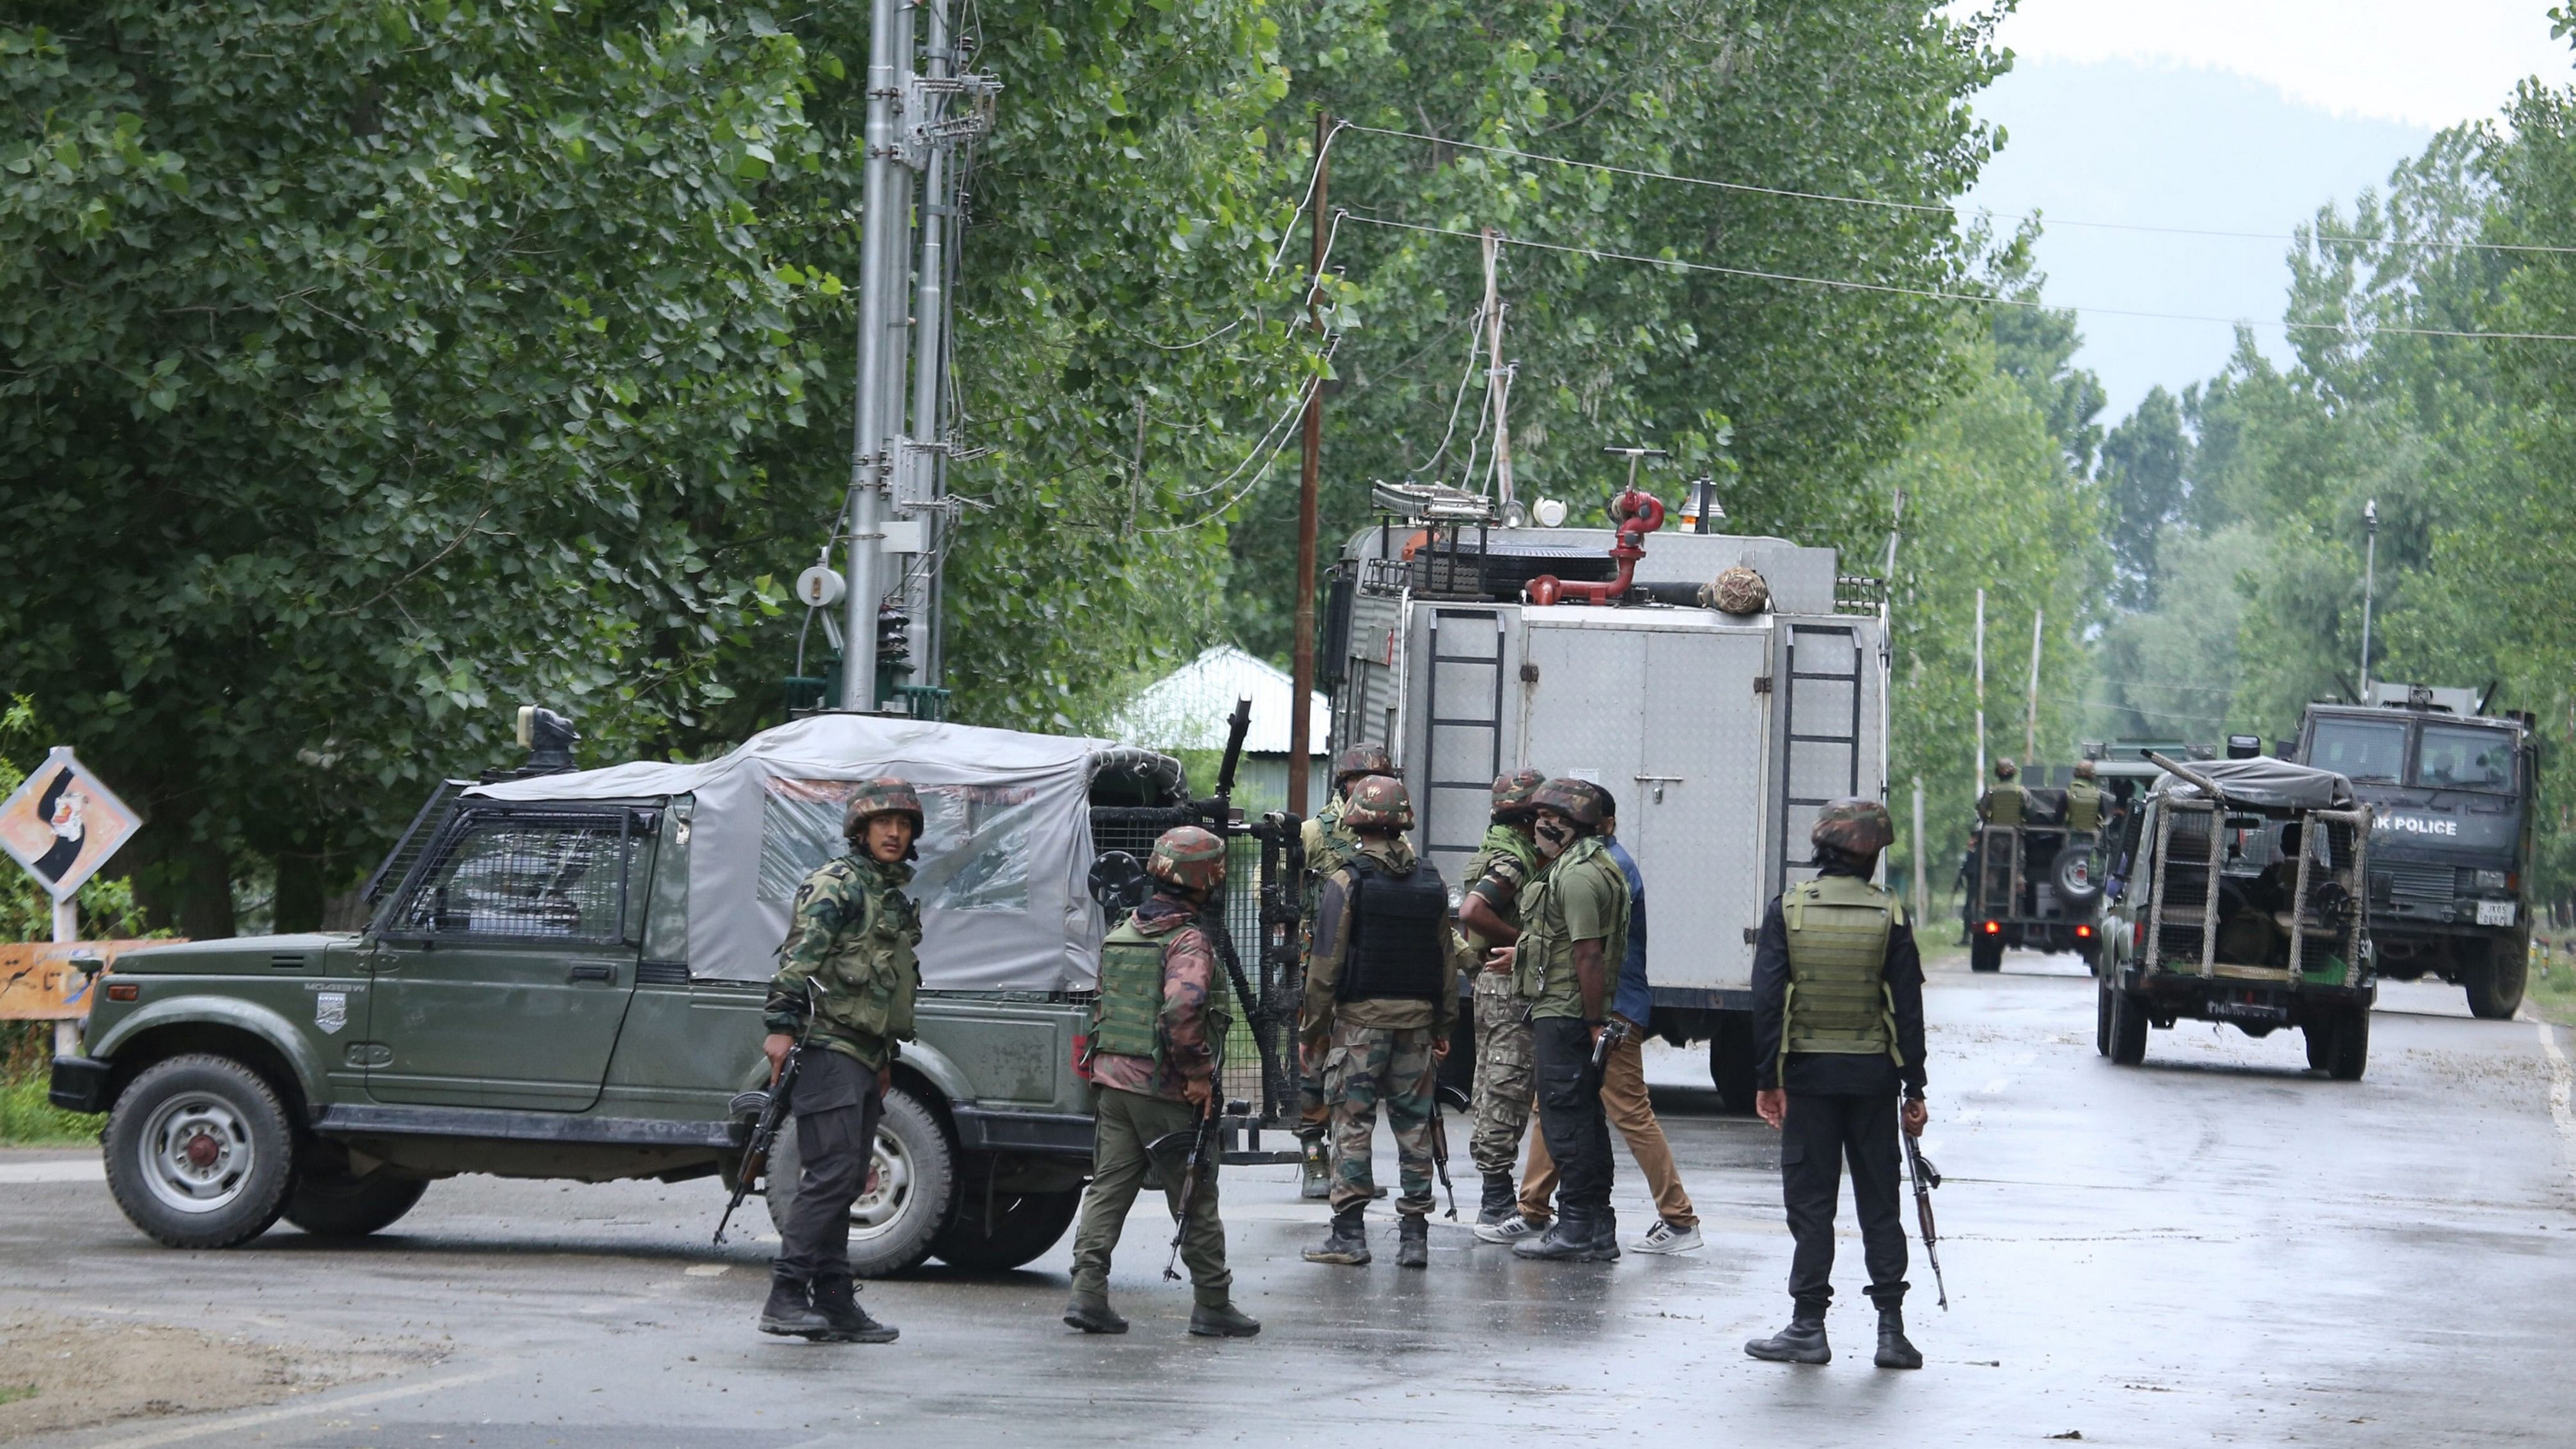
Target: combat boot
{"x": 1895, "y": 1350}
{"x": 1315, "y": 1177}
{"x": 837, "y": 1299}
{"x": 1349, "y": 1241}
{"x": 1223, "y": 1320}
{"x": 1605, "y": 1238}
{"x": 1412, "y": 1242}
{"x": 1803, "y": 1341}
{"x": 787, "y": 1312}
{"x": 1500, "y": 1200}
{"x": 1091, "y": 1313}
{"x": 1571, "y": 1241}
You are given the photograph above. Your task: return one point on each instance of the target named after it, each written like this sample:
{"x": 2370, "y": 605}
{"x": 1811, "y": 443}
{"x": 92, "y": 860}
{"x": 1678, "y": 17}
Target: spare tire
{"x": 2076, "y": 882}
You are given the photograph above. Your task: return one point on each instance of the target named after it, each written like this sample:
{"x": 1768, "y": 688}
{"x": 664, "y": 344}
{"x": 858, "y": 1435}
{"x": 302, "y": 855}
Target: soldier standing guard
{"x": 846, "y": 977}
{"x": 1327, "y": 846}
{"x": 1490, "y": 914}
{"x": 2083, "y": 799}
{"x": 1838, "y": 1022}
{"x": 1381, "y": 988}
{"x": 2004, "y": 803}
{"x": 1155, "y": 1033}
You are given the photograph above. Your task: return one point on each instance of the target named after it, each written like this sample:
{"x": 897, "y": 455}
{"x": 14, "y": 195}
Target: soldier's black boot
{"x": 787, "y": 1312}
{"x": 1412, "y": 1242}
{"x": 1500, "y": 1200}
{"x": 1349, "y": 1241}
{"x": 837, "y": 1299}
{"x": 1315, "y": 1176}
{"x": 1895, "y": 1350}
{"x": 1091, "y": 1313}
{"x": 1569, "y": 1240}
{"x": 1222, "y": 1320}
{"x": 1803, "y": 1341}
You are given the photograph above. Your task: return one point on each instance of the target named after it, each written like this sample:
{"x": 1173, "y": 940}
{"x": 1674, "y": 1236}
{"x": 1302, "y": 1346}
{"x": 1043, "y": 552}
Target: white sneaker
{"x": 1663, "y": 1237}
{"x": 1510, "y": 1230}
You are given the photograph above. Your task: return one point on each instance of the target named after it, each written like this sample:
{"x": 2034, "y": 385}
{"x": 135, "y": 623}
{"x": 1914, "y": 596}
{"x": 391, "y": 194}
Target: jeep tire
{"x": 2339, "y": 1045}
{"x": 329, "y": 1201}
{"x": 1985, "y": 952}
{"x": 913, "y": 1176}
{"x": 2128, "y": 1028}
{"x": 199, "y": 1153}
{"x": 1021, "y": 1226}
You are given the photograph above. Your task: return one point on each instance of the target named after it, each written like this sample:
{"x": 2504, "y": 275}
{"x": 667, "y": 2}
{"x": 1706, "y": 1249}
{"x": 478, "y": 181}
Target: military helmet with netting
{"x": 1361, "y": 760}
{"x": 1580, "y": 801}
{"x": 1512, "y": 794}
{"x": 1189, "y": 857}
{"x": 884, "y": 795}
{"x": 1856, "y": 827}
{"x": 1378, "y": 802}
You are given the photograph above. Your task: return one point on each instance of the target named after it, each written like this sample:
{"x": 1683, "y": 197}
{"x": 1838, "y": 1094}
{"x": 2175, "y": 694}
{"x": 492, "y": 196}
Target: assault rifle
{"x": 1443, "y": 1098}
{"x": 1203, "y": 1148}
{"x": 1926, "y": 1177}
{"x": 771, "y": 1107}
{"x": 1219, "y": 810}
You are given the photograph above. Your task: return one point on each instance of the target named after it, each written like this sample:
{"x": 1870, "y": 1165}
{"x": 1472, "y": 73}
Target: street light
{"x": 2369, "y": 583}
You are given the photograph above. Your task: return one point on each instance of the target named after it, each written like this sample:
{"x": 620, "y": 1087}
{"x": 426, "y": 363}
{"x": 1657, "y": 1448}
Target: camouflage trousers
{"x": 1506, "y": 1080}
{"x": 1366, "y": 1066}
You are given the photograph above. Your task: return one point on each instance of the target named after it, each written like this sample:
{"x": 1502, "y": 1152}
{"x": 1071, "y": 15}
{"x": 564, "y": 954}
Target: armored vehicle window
{"x": 2361, "y": 750}
{"x": 521, "y": 877}
{"x": 2465, "y": 757}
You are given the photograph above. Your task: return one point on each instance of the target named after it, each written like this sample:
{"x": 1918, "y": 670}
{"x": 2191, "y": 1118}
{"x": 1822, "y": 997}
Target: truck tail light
{"x": 2084, "y": 933}
{"x": 1994, "y": 928}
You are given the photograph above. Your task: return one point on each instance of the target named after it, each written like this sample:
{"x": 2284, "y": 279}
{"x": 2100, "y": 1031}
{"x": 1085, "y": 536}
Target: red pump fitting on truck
{"x": 1638, "y": 514}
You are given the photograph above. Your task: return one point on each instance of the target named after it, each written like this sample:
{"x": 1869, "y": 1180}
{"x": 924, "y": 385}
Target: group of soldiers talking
{"x": 1549, "y": 926}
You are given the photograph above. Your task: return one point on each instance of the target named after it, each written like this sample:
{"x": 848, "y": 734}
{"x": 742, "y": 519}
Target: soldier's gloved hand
{"x": 1915, "y": 1116}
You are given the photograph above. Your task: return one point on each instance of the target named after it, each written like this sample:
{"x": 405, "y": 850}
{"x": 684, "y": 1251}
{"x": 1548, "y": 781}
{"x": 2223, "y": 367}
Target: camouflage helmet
{"x": 1378, "y": 803}
{"x": 2084, "y": 769}
{"x": 1857, "y": 827}
{"x": 1738, "y": 590}
{"x": 1577, "y": 800}
{"x": 884, "y": 795}
{"x": 2006, "y": 769}
{"x": 1512, "y": 793}
{"x": 1188, "y": 857}
{"x": 1361, "y": 760}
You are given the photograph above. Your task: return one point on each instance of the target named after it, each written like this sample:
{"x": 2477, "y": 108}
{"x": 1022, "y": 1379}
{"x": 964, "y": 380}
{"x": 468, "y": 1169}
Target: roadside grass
{"x": 28, "y": 1120}
{"x": 2551, "y": 990}
{"x": 12, "y": 1393}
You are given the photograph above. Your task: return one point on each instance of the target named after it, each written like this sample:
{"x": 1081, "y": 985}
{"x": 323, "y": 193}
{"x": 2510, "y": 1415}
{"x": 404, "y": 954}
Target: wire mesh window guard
{"x": 528, "y": 877}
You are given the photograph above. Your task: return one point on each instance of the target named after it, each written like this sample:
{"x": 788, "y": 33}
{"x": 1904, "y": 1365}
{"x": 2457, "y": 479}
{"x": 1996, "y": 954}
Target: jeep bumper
{"x": 80, "y": 1084}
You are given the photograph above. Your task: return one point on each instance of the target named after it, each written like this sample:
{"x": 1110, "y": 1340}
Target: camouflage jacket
{"x": 853, "y": 935}
{"x": 1189, "y": 978}
{"x": 1505, "y": 863}
{"x": 1328, "y": 847}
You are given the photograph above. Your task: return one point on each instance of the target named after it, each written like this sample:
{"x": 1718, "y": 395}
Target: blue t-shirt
{"x": 1633, "y": 1000}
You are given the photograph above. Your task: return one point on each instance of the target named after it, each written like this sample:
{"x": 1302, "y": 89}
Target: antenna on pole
{"x": 1302, "y": 665}
{"x": 2030, "y": 726}
{"x": 1981, "y": 689}
{"x": 1498, "y": 377}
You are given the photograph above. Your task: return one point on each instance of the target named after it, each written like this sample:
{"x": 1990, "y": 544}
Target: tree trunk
{"x": 300, "y": 893}
{"x": 186, "y": 884}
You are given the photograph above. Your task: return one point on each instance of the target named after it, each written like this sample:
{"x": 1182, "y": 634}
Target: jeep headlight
{"x": 2492, "y": 880}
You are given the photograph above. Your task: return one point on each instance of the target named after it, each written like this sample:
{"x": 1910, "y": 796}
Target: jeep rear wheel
{"x": 2339, "y": 1045}
{"x": 1021, "y": 1226}
{"x": 2128, "y": 1030}
{"x": 199, "y": 1154}
{"x": 912, "y": 1174}
{"x": 1985, "y": 952}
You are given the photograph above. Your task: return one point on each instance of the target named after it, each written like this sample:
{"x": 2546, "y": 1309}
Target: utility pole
{"x": 2030, "y": 725}
{"x": 1981, "y": 690}
{"x": 2369, "y": 587}
{"x": 1302, "y": 667}
{"x": 1922, "y": 900}
{"x": 1498, "y": 378}
{"x": 926, "y": 458}
{"x": 870, "y": 454}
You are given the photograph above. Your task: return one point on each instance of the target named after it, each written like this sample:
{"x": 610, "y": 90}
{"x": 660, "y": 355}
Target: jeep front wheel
{"x": 904, "y": 1200}
{"x": 329, "y": 1201}
{"x": 199, "y": 1154}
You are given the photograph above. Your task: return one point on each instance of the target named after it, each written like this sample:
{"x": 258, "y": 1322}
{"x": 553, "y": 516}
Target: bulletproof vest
{"x": 1502, "y": 840}
{"x": 1127, "y": 1017}
{"x": 2083, "y": 805}
{"x": 873, "y": 967}
{"x": 1838, "y": 998}
{"x": 1544, "y": 965}
{"x": 2003, "y": 804}
{"x": 1328, "y": 848}
{"x": 1397, "y": 950}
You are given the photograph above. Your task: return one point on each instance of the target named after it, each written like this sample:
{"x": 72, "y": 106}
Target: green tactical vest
{"x": 2003, "y": 804}
{"x": 1500, "y": 840}
{"x": 2083, "y": 805}
{"x": 1328, "y": 848}
{"x": 1127, "y": 1018}
{"x": 1543, "y": 968}
{"x": 1838, "y": 997}
{"x": 872, "y": 973}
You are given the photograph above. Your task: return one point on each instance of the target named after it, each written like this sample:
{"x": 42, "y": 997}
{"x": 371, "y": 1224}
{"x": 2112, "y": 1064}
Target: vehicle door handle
{"x": 594, "y": 973}
{"x": 1659, "y": 782}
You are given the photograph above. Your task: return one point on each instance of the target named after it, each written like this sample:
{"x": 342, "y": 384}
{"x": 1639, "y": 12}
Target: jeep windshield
{"x": 2464, "y": 757}
{"x": 2364, "y": 751}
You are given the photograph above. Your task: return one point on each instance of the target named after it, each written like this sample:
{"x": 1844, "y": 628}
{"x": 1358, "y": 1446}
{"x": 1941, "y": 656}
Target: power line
{"x": 1944, "y": 295}
{"x": 1922, "y": 208}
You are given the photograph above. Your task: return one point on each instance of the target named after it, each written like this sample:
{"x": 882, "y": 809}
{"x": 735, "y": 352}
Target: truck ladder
{"x": 1831, "y": 735}
{"x": 1465, "y": 723}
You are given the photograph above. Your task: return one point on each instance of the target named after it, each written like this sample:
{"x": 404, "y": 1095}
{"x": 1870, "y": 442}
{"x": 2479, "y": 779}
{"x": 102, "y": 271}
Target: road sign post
{"x": 62, "y": 824}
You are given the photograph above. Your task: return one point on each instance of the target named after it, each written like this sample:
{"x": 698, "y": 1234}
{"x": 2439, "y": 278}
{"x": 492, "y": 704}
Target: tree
{"x": 2142, "y": 484}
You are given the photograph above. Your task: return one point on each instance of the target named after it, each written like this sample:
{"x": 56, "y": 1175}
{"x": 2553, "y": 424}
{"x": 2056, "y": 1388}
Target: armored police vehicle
{"x": 564, "y": 977}
{"x": 1469, "y": 649}
{"x": 2451, "y": 790}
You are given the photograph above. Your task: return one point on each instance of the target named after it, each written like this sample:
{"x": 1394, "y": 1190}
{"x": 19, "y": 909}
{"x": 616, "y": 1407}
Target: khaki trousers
{"x": 1625, "y": 1102}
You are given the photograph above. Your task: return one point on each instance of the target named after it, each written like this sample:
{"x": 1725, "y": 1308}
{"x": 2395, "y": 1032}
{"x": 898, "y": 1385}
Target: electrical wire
{"x": 1458, "y": 400}
{"x": 1304, "y": 395}
{"x": 1944, "y": 295}
{"x": 1278, "y": 253}
{"x": 1924, "y": 208}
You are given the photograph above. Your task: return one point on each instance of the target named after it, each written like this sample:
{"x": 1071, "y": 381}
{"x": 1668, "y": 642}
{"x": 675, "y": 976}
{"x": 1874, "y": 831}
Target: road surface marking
{"x": 234, "y": 1422}
{"x": 2560, "y": 1085}
{"x": 706, "y": 1270}
{"x": 85, "y": 1169}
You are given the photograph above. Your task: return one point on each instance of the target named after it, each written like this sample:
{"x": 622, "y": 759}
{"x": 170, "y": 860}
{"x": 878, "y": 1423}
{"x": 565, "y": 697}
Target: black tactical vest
{"x": 1398, "y": 947}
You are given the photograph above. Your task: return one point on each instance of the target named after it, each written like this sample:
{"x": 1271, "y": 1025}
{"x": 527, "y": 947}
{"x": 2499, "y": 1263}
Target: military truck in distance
{"x": 2245, "y": 902}
{"x": 564, "y": 978}
{"x": 2451, "y": 791}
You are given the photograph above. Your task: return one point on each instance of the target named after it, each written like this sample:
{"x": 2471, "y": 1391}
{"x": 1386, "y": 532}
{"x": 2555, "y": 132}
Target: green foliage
{"x": 28, "y": 1120}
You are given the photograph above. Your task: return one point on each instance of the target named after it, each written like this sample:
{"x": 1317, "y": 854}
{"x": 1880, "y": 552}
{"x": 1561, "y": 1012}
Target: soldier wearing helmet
{"x": 1156, "y": 1028}
{"x": 1838, "y": 1023}
{"x": 2083, "y": 799}
{"x": 1381, "y": 990}
{"x": 1489, "y": 912}
{"x": 1328, "y": 846}
{"x": 2004, "y": 802}
{"x": 845, "y": 982}
{"x": 1574, "y": 934}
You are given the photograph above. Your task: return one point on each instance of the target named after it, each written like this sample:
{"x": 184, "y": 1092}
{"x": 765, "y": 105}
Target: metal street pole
{"x": 2369, "y": 587}
{"x": 1922, "y": 859}
{"x": 66, "y": 931}
{"x": 2030, "y": 726}
{"x": 1302, "y": 667}
{"x": 1981, "y": 690}
{"x": 886, "y": 200}
{"x": 1498, "y": 378}
{"x": 930, "y": 341}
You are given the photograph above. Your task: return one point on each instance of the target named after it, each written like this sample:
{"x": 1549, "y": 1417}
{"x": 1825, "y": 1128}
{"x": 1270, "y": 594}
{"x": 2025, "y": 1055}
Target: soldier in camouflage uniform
{"x": 846, "y": 977}
{"x": 1381, "y": 989}
{"x": 1156, "y": 1029}
{"x": 1328, "y": 846}
{"x": 1490, "y": 914}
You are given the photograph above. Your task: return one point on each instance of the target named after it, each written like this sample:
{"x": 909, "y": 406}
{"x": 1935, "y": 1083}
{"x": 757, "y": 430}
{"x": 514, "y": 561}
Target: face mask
{"x": 1553, "y": 837}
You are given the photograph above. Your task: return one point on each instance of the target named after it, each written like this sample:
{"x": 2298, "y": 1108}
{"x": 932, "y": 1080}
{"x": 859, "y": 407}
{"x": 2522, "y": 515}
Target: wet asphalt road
{"x": 2220, "y": 1247}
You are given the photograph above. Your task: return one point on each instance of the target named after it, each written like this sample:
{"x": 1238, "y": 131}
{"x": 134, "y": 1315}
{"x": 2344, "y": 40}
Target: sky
{"x": 2243, "y": 116}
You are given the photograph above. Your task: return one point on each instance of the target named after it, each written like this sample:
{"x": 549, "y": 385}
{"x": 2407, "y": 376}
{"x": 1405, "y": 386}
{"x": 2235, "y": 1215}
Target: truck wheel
{"x": 328, "y": 1202}
{"x": 2102, "y": 994}
{"x": 2351, "y": 1046}
{"x": 911, "y": 1176}
{"x": 1985, "y": 953}
{"x": 2128, "y": 1030}
{"x": 1022, "y": 1225}
{"x": 199, "y": 1154}
{"x": 1730, "y": 1060}
{"x": 2495, "y": 984}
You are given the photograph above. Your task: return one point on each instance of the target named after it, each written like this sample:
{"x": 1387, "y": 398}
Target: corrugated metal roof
{"x": 1187, "y": 709}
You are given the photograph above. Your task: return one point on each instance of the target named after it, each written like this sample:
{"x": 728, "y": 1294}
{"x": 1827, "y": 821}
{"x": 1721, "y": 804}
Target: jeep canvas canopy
{"x": 1004, "y": 852}
{"x": 2263, "y": 783}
